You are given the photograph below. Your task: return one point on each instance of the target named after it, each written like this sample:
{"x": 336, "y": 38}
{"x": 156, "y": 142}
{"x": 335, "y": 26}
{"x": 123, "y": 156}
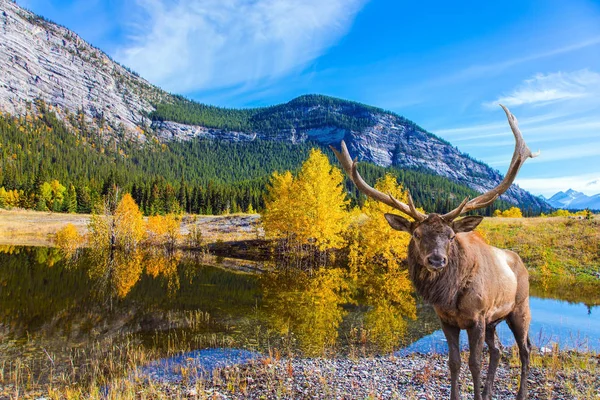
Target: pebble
{"x": 417, "y": 376}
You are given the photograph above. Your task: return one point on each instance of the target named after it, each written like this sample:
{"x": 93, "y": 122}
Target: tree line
{"x": 50, "y": 165}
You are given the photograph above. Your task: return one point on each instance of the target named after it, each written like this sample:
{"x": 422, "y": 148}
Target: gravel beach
{"x": 412, "y": 377}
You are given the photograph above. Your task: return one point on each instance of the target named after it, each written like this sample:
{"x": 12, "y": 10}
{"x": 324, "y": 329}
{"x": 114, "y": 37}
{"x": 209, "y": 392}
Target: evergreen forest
{"x": 49, "y": 165}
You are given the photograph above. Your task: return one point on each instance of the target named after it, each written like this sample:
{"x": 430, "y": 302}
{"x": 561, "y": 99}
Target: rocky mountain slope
{"x": 573, "y": 200}
{"x": 40, "y": 60}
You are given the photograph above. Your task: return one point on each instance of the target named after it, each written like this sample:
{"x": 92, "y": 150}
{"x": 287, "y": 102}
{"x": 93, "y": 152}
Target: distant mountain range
{"x": 40, "y": 60}
{"x": 573, "y": 200}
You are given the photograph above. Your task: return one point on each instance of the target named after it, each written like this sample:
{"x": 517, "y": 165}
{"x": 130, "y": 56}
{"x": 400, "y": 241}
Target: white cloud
{"x": 203, "y": 44}
{"x": 552, "y": 87}
{"x": 588, "y": 184}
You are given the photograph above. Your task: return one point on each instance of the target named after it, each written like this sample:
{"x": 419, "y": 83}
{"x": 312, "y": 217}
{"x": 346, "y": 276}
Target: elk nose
{"x": 437, "y": 261}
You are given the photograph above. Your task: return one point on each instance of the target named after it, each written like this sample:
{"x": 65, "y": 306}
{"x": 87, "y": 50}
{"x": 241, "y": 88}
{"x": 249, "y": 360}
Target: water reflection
{"x": 553, "y": 323}
{"x": 307, "y": 308}
{"x": 152, "y": 296}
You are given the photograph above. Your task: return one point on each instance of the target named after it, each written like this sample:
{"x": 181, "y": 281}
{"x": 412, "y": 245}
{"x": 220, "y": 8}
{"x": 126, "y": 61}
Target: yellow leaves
{"x": 309, "y": 307}
{"x": 281, "y": 217}
{"x": 68, "y": 240}
{"x": 513, "y": 212}
{"x": 10, "y": 198}
{"x": 374, "y": 237}
{"x": 164, "y": 229}
{"x": 310, "y": 208}
{"x": 124, "y": 229}
{"x": 129, "y": 223}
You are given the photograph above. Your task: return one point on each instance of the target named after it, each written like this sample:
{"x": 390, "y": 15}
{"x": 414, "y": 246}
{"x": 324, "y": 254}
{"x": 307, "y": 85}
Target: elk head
{"x": 433, "y": 234}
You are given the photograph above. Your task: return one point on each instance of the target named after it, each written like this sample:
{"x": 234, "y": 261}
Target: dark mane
{"x": 442, "y": 288}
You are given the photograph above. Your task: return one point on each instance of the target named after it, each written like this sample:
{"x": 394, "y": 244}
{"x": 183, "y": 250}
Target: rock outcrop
{"x": 41, "y": 60}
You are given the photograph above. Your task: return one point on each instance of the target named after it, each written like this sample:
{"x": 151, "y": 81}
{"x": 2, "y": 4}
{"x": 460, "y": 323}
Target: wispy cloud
{"x": 552, "y": 87}
{"x": 191, "y": 45}
{"x": 477, "y": 71}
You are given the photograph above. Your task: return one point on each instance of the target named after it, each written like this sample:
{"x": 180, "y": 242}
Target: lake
{"x": 56, "y": 311}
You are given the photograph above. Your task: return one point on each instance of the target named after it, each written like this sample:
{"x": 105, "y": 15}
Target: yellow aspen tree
{"x": 129, "y": 223}
{"x": 322, "y": 202}
{"x": 281, "y": 218}
{"x": 376, "y": 238}
{"x": 513, "y": 212}
{"x": 164, "y": 230}
{"x": 68, "y": 240}
{"x": 124, "y": 229}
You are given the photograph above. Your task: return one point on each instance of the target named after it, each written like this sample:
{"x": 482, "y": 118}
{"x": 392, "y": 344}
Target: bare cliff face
{"x": 40, "y": 60}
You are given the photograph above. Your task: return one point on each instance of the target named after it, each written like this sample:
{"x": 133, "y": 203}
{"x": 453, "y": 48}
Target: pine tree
{"x": 70, "y": 202}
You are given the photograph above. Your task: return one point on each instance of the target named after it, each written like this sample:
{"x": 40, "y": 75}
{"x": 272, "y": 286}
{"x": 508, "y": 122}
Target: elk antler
{"x": 350, "y": 168}
{"x": 521, "y": 154}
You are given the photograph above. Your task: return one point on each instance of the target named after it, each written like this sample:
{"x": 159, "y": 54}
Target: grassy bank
{"x": 557, "y": 247}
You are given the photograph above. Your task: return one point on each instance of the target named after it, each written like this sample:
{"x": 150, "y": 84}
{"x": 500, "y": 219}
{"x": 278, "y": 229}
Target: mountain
{"x": 44, "y": 65}
{"x": 573, "y": 200}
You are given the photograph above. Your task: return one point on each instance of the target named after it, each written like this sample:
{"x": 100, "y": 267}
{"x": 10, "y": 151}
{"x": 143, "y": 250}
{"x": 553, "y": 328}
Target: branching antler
{"x": 350, "y": 168}
{"x": 521, "y": 154}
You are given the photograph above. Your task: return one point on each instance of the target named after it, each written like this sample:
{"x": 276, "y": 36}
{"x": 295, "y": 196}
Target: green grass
{"x": 557, "y": 247}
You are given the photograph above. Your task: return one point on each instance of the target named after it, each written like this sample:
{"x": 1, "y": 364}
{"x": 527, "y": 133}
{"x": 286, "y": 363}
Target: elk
{"x": 470, "y": 284}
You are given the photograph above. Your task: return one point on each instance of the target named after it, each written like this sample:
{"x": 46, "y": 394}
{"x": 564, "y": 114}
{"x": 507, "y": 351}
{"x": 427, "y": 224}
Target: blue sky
{"x": 445, "y": 65}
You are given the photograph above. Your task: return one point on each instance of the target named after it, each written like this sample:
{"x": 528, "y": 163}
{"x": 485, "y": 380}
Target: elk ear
{"x": 398, "y": 223}
{"x": 466, "y": 224}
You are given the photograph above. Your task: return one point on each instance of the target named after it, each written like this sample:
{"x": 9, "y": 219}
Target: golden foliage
{"x": 129, "y": 223}
{"x": 123, "y": 229}
{"x": 513, "y": 212}
{"x": 308, "y": 308}
{"x": 310, "y": 208}
{"x": 164, "y": 230}
{"x": 68, "y": 240}
{"x": 375, "y": 241}
{"x": 281, "y": 218}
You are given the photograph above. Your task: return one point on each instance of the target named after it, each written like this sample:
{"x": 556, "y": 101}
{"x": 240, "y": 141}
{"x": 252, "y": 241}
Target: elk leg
{"x": 476, "y": 336}
{"x": 452, "y": 334}
{"x": 490, "y": 340}
{"x": 518, "y": 322}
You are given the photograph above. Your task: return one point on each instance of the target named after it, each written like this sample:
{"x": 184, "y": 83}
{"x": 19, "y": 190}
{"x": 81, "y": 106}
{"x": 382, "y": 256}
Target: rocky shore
{"x": 418, "y": 376}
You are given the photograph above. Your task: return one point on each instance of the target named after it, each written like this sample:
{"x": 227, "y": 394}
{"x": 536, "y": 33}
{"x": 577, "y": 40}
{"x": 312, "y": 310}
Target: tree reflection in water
{"x": 308, "y": 309}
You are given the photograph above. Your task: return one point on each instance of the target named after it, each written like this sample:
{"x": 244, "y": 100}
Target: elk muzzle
{"x": 436, "y": 262}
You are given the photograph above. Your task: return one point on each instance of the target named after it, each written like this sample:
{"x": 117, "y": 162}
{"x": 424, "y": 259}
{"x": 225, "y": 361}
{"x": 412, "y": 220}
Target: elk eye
{"x": 416, "y": 235}
{"x": 452, "y": 237}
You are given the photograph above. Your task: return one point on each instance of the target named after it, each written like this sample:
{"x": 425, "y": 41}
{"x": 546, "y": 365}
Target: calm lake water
{"x": 178, "y": 306}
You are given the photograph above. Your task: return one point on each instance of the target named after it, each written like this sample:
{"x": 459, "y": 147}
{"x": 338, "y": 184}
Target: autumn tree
{"x": 68, "y": 240}
{"x": 312, "y": 208}
{"x": 513, "y": 212}
{"x": 374, "y": 240}
{"x": 164, "y": 230}
{"x": 281, "y": 218}
{"x": 375, "y": 253}
{"x": 122, "y": 228}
